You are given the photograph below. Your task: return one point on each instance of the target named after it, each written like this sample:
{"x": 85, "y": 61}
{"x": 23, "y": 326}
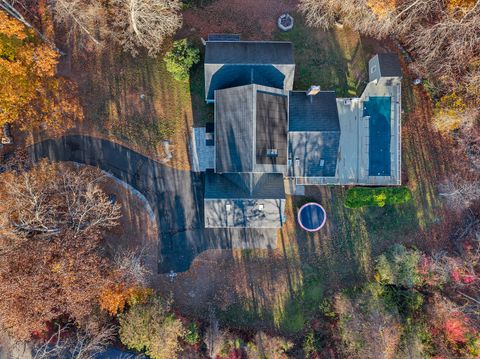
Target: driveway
{"x": 176, "y": 197}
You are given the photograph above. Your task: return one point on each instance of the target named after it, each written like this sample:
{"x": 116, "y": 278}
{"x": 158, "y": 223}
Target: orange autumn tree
{"x": 115, "y": 298}
{"x": 31, "y": 93}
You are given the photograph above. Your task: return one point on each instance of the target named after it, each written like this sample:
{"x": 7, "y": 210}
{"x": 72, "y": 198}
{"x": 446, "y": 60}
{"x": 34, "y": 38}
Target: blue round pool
{"x": 312, "y": 217}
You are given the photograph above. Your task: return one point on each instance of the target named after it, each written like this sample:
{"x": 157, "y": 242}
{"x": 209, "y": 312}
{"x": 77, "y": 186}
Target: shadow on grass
{"x": 202, "y": 112}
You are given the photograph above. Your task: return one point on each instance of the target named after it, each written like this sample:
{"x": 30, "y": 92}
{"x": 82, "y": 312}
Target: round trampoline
{"x": 312, "y": 217}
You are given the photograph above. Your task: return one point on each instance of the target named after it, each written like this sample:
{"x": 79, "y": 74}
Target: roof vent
{"x": 313, "y": 90}
{"x": 272, "y": 152}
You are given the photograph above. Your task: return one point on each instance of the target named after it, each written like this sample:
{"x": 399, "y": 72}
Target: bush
{"x": 192, "y": 335}
{"x": 180, "y": 59}
{"x": 312, "y": 344}
{"x": 151, "y": 327}
{"x": 367, "y": 329}
{"x": 379, "y": 197}
{"x": 268, "y": 347}
{"x": 399, "y": 267}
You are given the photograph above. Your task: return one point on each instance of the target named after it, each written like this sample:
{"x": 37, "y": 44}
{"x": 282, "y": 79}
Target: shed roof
{"x": 389, "y": 65}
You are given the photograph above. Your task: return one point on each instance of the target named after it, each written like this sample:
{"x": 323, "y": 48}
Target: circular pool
{"x": 312, "y": 217}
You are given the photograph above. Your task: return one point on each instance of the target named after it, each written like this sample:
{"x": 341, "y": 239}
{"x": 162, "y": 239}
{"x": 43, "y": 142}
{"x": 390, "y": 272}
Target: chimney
{"x": 313, "y": 90}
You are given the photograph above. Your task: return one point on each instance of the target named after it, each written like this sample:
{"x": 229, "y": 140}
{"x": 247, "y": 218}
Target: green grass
{"x": 202, "y": 112}
{"x": 326, "y": 58}
{"x": 113, "y": 104}
{"x": 377, "y": 197}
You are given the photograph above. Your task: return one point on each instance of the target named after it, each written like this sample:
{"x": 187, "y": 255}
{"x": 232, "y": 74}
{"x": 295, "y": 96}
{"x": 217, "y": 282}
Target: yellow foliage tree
{"x": 382, "y": 8}
{"x": 31, "y": 93}
{"x": 463, "y": 4}
{"x": 114, "y": 299}
{"x": 449, "y": 113}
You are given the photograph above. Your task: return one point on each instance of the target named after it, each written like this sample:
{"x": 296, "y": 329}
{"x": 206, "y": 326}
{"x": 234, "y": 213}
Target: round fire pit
{"x": 285, "y": 22}
{"x": 312, "y": 217}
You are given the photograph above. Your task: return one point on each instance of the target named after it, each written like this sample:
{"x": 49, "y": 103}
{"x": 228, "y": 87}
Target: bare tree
{"x": 145, "y": 23}
{"x": 460, "y": 192}
{"x": 321, "y": 14}
{"x": 51, "y": 198}
{"x": 214, "y": 337}
{"x": 131, "y": 264}
{"x": 52, "y": 218}
{"x": 81, "y": 344}
{"x": 448, "y": 46}
{"x": 469, "y": 141}
{"x": 445, "y": 40}
{"x": 87, "y": 18}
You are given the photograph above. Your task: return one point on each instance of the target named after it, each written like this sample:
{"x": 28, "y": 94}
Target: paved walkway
{"x": 201, "y": 154}
{"x": 176, "y": 197}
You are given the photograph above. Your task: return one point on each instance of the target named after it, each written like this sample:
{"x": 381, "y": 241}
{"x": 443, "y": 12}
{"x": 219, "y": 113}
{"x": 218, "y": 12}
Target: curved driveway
{"x": 176, "y": 198}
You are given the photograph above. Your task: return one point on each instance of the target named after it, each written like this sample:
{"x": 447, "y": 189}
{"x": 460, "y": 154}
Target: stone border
{"x": 283, "y": 27}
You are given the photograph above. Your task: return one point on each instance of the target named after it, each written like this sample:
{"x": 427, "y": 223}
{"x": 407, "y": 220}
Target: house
{"x": 267, "y": 134}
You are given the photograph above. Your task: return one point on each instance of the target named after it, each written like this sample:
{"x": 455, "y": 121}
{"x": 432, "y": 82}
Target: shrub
{"x": 379, "y": 197}
{"x": 399, "y": 267}
{"x": 268, "y": 347}
{"x": 312, "y": 344}
{"x": 192, "y": 335}
{"x": 151, "y": 327}
{"x": 180, "y": 59}
{"x": 366, "y": 328}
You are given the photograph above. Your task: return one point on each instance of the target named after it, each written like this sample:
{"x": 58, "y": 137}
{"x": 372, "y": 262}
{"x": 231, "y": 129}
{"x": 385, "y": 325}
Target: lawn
{"x": 335, "y": 60}
{"x": 133, "y": 101}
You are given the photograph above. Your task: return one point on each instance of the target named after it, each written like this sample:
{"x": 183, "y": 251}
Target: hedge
{"x": 376, "y": 196}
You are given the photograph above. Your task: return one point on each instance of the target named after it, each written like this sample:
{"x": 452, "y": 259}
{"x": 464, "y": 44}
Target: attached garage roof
{"x": 244, "y": 200}
{"x": 244, "y": 186}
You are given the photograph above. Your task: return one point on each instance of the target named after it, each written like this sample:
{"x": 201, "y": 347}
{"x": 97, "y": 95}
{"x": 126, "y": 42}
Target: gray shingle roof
{"x": 236, "y": 145}
{"x": 314, "y": 134}
{"x": 244, "y": 186}
{"x": 234, "y": 129}
{"x": 390, "y": 65}
{"x": 223, "y": 37}
{"x": 234, "y": 199}
{"x": 271, "y": 128}
{"x": 249, "y": 52}
{"x": 316, "y": 152}
{"x": 313, "y": 113}
{"x": 244, "y": 213}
